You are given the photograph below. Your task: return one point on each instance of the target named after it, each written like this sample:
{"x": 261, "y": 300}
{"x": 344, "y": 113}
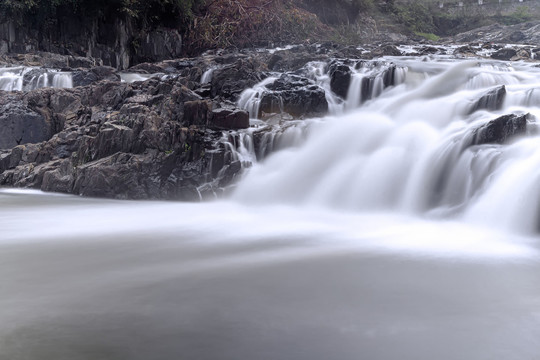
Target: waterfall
{"x": 250, "y": 99}
{"x": 206, "y": 77}
{"x": 446, "y": 141}
{"x": 23, "y": 78}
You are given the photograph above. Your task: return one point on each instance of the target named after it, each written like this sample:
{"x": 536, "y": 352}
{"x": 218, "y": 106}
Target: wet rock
{"x": 295, "y": 95}
{"x": 466, "y": 50}
{"x": 230, "y": 80}
{"x": 340, "y": 79}
{"x": 387, "y": 50}
{"x": 300, "y": 102}
{"x": 428, "y": 50}
{"x": 504, "y": 54}
{"x": 491, "y": 100}
{"x": 500, "y": 130}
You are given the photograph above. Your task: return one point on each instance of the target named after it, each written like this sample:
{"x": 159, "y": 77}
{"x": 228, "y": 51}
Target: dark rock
{"x": 229, "y": 119}
{"x": 295, "y": 95}
{"x": 273, "y": 61}
{"x": 230, "y": 80}
{"x": 98, "y": 73}
{"x": 500, "y": 130}
{"x": 504, "y": 54}
{"x": 491, "y": 100}
{"x": 428, "y": 50}
{"x": 20, "y": 124}
{"x": 340, "y": 79}
{"x": 159, "y": 45}
{"x": 387, "y": 50}
{"x": 289, "y": 81}
{"x": 197, "y": 112}
{"x": 517, "y": 36}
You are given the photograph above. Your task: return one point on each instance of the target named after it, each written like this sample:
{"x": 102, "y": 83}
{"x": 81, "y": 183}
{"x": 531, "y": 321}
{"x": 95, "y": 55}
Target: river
{"x": 381, "y": 232}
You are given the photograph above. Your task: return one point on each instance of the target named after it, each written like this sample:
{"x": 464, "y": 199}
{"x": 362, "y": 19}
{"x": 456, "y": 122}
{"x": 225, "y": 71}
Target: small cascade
{"x": 250, "y": 99}
{"x": 206, "y": 77}
{"x": 370, "y": 79}
{"x": 30, "y": 78}
{"x": 133, "y": 77}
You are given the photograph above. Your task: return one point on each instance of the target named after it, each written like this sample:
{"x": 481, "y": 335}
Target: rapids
{"x": 386, "y": 230}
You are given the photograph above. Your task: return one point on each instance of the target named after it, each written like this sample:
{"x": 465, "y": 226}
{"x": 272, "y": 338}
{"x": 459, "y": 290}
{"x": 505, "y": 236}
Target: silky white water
{"x": 379, "y": 232}
{"x": 22, "y": 78}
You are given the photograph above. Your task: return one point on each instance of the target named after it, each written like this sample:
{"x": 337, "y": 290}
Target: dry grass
{"x": 250, "y": 23}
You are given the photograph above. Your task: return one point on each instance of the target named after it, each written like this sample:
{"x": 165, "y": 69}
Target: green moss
{"x": 429, "y": 36}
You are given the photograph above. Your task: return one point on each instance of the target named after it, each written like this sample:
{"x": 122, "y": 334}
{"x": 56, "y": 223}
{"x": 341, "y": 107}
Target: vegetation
{"x": 417, "y": 16}
{"x": 241, "y": 23}
{"x": 147, "y": 12}
{"x": 521, "y": 14}
{"x": 208, "y": 24}
{"x": 429, "y": 36}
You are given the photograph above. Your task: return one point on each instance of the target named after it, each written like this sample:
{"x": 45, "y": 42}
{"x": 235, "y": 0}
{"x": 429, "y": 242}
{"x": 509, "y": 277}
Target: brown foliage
{"x": 248, "y": 23}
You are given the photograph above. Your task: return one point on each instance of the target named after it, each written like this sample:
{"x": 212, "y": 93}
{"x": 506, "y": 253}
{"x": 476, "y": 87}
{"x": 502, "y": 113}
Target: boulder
{"x": 229, "y": 119}
{"x": 500, "y": 130}
{"x": 491, "y": 100}
{"x": 504, "y": 54}
{"x": 340, "y": 79}
{"x": 295, "y": 95}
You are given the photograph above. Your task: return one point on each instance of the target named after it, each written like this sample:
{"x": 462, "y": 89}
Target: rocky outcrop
{"x": 113, "y": 139}
{"x": 162, "y": 138}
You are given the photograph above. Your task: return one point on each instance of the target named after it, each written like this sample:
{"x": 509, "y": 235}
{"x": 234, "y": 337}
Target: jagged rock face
{"x": 110, "y": 43}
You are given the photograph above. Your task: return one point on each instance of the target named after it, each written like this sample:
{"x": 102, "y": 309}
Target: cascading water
{"x": 29, "y": 78}
{"x": 411, "y": 149}
{"x": 404, "y": 225}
